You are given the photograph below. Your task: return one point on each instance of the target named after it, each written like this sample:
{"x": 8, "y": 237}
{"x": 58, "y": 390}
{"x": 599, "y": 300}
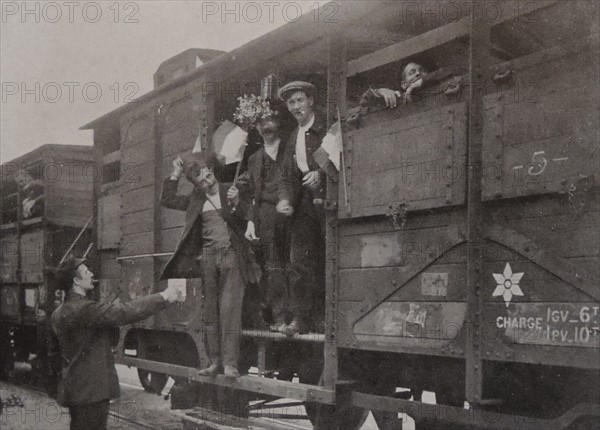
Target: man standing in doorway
{"x": 301, "y": 193}
{"x": 267, "y": 228}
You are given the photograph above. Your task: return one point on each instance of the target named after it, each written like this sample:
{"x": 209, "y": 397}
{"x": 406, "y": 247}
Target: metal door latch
{"x": 578, "y": 192}
{"x": 397, "y": 215}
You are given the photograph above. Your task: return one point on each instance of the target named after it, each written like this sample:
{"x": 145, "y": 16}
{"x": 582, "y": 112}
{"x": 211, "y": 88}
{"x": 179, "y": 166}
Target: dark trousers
{"x": 93, "y": 416}
{"x": 273, "y": 254}
{"x": 223, "y": 297}
{"x": 307, "y": 274}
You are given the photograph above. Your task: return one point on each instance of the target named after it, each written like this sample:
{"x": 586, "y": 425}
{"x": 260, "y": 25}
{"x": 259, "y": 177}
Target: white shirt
{"x": 273, "y": 149}
{"x": 216, "y": 202}
{"x": 301, "y": 158}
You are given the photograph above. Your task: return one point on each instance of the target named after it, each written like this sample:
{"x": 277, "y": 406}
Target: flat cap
{"x": 294, "y": 86}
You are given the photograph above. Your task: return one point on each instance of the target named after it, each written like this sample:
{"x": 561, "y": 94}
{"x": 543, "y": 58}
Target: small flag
{"x": 229, "y": 140}
{"x": 331, "y": 145}
{"x": 321, "y": 156}
{"x": 198, "y": 143}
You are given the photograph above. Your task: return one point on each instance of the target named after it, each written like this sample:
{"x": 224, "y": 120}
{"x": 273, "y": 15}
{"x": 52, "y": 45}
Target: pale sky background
{"x": 105, "y": 52}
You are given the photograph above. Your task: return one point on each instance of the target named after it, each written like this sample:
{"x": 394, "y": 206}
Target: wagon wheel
{"x": 7, "y": 358}
{"x": 443, "y": 397}
{"x": 153, "y": 382}
{"x": 21, "y": 354}
{"x": 387, "y": 420}
{"x": 335, "y": 417}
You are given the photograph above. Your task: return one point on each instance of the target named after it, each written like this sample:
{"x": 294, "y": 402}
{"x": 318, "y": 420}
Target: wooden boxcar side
{"x": 524, "y": 337}
{"x": 34, "y": 242}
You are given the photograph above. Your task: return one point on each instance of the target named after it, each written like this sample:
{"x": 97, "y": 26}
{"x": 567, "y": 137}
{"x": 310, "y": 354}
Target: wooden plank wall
{"x": 109, "y": 221}
{"x": 32, "y": 257}
{"x": 137, "y": 184}
{"x": 542, "y": 127}
{"x": 69, "y": 181}
{"x": 128, "y": 224}
{"x": 184, "y": 120}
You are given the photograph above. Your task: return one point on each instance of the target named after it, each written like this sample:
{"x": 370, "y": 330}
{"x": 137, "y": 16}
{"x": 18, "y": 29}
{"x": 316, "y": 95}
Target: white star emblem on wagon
{"x": 508, "y": 284}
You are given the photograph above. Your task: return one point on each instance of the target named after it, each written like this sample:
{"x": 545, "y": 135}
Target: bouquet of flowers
{"x": 250, "y": 110}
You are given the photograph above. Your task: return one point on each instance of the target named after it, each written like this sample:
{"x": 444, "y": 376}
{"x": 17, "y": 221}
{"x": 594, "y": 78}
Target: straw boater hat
{"x": 291, "y": 87}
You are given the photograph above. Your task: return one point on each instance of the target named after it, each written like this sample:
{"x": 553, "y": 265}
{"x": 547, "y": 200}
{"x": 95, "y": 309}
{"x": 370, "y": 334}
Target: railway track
{"x": 136, "y": 410}
{"x": 28, "y": 407}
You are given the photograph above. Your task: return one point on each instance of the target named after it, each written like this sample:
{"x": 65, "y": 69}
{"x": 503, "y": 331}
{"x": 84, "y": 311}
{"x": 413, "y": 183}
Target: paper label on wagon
{"x": 434, "y": 284}
{"x": 556, "y": 324}
{"x": 180, "y": 286}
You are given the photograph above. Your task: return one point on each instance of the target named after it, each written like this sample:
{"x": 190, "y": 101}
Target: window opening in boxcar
{"x": 111, "y": 172}
{"x": 30, "y": 179}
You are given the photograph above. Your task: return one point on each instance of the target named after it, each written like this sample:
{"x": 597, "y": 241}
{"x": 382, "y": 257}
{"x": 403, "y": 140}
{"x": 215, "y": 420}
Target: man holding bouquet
{"x": 266, "y": 227}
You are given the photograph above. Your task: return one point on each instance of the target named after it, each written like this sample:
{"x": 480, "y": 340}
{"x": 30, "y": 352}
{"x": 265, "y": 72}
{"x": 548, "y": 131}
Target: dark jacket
{"x": 93, "y": 377}
{"x": 184, "y": 262}
{"x": 255, "y": 164}
{"x": 290, "y": 187}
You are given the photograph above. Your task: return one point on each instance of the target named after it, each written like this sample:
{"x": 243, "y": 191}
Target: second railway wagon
{"x": 462, "y": 235}
{"x": 47, "y": 204}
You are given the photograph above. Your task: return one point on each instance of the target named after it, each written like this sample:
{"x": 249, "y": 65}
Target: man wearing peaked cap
{"x": 301, "y": 193}
{"x": 306, "y": 87}
{"x": 84, "y": 328}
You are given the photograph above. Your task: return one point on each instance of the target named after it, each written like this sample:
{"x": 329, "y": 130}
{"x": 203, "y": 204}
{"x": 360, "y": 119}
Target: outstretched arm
{"x": 115, "y": 314}
{"x": 379, "y": 97}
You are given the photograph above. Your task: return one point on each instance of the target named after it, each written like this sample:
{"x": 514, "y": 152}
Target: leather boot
{"x": 211, "y": 370}
{"x": 231, "y": 372}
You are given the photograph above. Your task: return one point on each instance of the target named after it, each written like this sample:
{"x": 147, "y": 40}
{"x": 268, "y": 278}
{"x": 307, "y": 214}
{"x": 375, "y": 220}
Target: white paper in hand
{"x": 180, "y": 286}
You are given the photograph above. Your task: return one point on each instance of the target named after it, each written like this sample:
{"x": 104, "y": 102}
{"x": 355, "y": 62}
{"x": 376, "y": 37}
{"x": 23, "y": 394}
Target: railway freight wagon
{"x": 462, "y": 233}
{"x": 46, "y": 205}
